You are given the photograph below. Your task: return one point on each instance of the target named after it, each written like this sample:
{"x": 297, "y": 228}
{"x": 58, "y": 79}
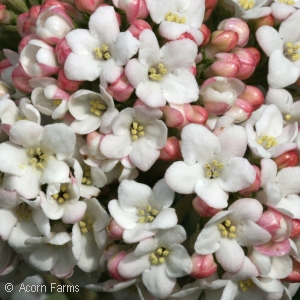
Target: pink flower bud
{"x": 49, "y": 3}
{"x": 209, "y": 6}
{"x": 114, "y": 230}
{"x": 240, "y": 111}
{"x": 206, "y": 34}
{"x": 121, "y": 89}
{"x": 65, "y": 84}
{"x": 256, "y": 53}
{"x": 203, "y": 265}
{"x": 295, "y": 274}
{"x": 248, "y": 62}
{"x": 254, "y": 187}
{"x": 226, "y": 65}
{"x": 177, "y": 116}
{"x": 239, "y": 26}
{"x": 88, "y": 6}
{"x": 20, "y": 80}
{"x": 25, "y": 40}
{"x": 221, "y": 41}
{"x": 295, "y": 233}
{"x": 256, "y": 23}
{"x": 111, "y": 250}
{"x": 5, "y": 15}
{"x": 137, "y": 26}
{"x": 4, "y": 64}
{"x": 135, "y": 9}
{"x": 287, "y": 159}
{"x": 171, "y": 150}
{"x": 113, "y": 263}
{"x": 254, "y": 96}
{"x": 62, "y": 50}
{"x": 276, "y": 224}
{"x": 202, "y": 209}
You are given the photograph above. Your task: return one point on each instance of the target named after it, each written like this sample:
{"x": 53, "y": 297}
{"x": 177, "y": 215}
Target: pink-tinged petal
{"x": 89, "y": 67}
{"x": 73, "y": 212}
{"x": 288, "y": 180}
{"x": 182, "y": 178}
{"x": 44, "y": 257}
{"x": 246, "y": 209}
{"x": 282, "y": 72}
{"x": 210, "y": 191}
{"x": 157, "y": 282}
{"x": 133, "y": 195}
{"x": 198, "y": 150}
{"x": 149, "y": 54}
{"x": 131, "y": 266}
{"x": 143, "y": 156}
{"x": 59, "y": 139}
{"x": 166, "y": 218}
{"x": 281, "y": 267}
{"x": 237, "y": 175}
{"x": 145, "y": 246}
{"x": 13, "y": 159}
{"x": 103, "y": 24}
{"x": 138, "y": 233}
{"x": 272, "y": 249}
{"x": 230, "y": 255}
{"x": 178, "y": 262}
{"x": 65, "y": 263}
{"x": 163, "y": 195}
{"x": 270, "y": 122}
{"x": 268, "y": 171}
{"x": 125, "y": 47}
{"x": 55, "y": 171}
{"x": 26, "y": 133}
{"x": 208, "y": 240}
{"x": 269, "y": 39}
{"x": 250, "y": 234}
{"x": 180, "y": 87}
{"x": 150, "y": 93}
{"x": 8, "y": 220}
{"x": 116, "y": 146}
{"x": 125, "y": 219}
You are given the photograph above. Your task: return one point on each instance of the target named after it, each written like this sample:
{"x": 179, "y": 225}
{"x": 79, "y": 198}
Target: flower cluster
{"x": 154, "y": 142}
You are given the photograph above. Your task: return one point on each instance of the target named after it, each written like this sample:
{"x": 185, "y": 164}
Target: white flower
{"x": 137, "y": 133}
{"x": 281, "y": 9}
{"x": 177, "y": 17}
{"x": 227, "y": 231}
{"x": 267, "y": 137}
{"x": 160, "y": 260}
{"x": 100, "y": 51}
{"x": 283, "y": 49}
{"x": 141, "y": 211}
{"x": 163, "y": 74}
{"x": 213, "y": 165}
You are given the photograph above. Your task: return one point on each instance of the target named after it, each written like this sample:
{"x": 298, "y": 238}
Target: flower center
{"x": 24, "y": 212}
{"x": 97, "y": 108}
{"x": 86, "y": 224}
{"x": 86, "y": 179}
{"x": 246, "y": 4}
{"x": 289, "y": 2}
{"x": 174, "y": 18}
{"x": 292, "y": 51}
{"x": 158, "y": 257}
{"x": 19, "y": 118}
{"x": 157, "y": 73}
{"x": 267, "y": 141}
{"x": 245, "y": 285}
{"x": 147, "y": 215}
{"x": 102, "y": 52}
{"x": 212, "y": 171}
{"x": 227, "y": 230}
{"x": 56, "y": 102}
{"x": 62, "y": 195}
{"x": 38, "y": 158}
{"x": 136, "y": 131}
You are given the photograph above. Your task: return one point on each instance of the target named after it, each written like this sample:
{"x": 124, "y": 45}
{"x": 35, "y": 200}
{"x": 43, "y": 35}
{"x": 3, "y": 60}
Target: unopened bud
{"x": 205, "y": 33}
{"x": 202, "y": 209}
{"x": 137, "y": 26}
{"x": 171, "y": 151}
{"x": 254, "y": 96}
{"x": 254, "y": 187}
{"x": 287, "y": 159}
{"x": 254, "y": 24}
{"x": 248, "y": 62}
{"x": 209, "y": 6}
{"x": 203, "y": 266}
{"x": 113, "y": 263}
{"x": 114, "y": 230}
{"x": 240, "y": 111}
{"x": 295, "y": 274}
{"x": 295, "y": 233}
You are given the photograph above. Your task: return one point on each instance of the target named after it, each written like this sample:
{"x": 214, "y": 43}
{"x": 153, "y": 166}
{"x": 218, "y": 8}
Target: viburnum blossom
{"x": 212, "y": 166}
{"x": 100, "y": 51}
{"x": 163, "y": 74}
